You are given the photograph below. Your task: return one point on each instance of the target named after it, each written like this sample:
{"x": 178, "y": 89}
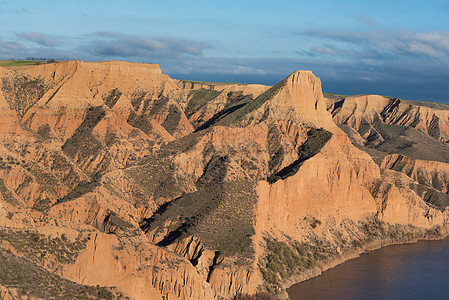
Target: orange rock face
{"x": 123, "y": 182}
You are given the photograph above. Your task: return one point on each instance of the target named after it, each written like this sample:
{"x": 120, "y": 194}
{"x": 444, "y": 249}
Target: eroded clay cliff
{"x": 118, "y": 181}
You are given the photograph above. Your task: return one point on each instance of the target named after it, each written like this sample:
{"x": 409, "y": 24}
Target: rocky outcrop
{"x": 154, "y": 188}
{"x": 429, "y": 173}
{"x": 6, "y": 294}
{"x": 385, "y": 125}
{"x": 360, "y": 111}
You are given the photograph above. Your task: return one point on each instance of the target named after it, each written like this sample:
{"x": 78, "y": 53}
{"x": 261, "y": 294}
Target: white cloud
{"x": 385, "y": 44}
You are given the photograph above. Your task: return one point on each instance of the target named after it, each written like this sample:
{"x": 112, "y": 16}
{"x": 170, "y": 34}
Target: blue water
{"x": 413, "y": 271}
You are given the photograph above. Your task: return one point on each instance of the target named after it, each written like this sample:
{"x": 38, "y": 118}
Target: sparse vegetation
{"x": 112, "y": 97}
{"x": 7, "y": 194}
{"x": 229, "y": 227}
{"x": 376, "y": 229}
{"x": 47, "y": 180}
{"x": 83, "y": 188}
{"x": 437, "y": 183}
{"x": 199, "y": 98}
{"x": 434, "y": 127}
{"x": 432, "y": 196}
{"x": 44, "y": 131}
{"x": 434, "y": 105}
{"x": 236, "y": 97}
{"x": 112, "y": 223}
{"x": 32, "y": 280}
{"x": 219, "y": 214}
{"x": 221, "y": 115}
{"x": 257, "y": 296}
{"x": 143, "y": 121}
{"x": 316, "y": 139}
{"x": 23, "y": 91}
{"x": 315, "y": 223}
{"x": 286, "y": 258}
{"x": 157, "y": 178}
{"x": 137, "y": 98}
{"x": 158, "y": 105}
{"x": 234, "y": 113}
{"x": 213, "y": 83}
{"x": 36, "y": 245}
{"x": 202, "y": 185}
{"x": 395, "y": 130}
{"x": 406, "y": 140}
{"x": 334, "y": 96}
{"x": 171, "y": 123}
{"x": 83, "y": 144}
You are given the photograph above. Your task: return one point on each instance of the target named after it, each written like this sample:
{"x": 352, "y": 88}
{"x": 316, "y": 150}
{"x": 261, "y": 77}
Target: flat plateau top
{"x": 18, "y": 63}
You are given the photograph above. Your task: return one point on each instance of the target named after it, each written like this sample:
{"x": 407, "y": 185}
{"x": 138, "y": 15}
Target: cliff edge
{"x": 118, "y": 181}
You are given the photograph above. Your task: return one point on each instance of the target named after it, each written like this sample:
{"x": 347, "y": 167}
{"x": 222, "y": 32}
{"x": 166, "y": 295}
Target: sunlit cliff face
{"x": 117, "y": 176}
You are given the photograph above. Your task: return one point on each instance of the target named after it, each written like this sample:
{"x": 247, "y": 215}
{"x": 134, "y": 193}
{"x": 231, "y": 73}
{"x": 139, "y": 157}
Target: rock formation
{"x": 117, "y": 181}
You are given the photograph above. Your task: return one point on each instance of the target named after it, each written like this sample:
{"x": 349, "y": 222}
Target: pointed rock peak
{"x": 301, "y": 97}
{"x": 304, "y": 89}
{"x": 302, "y": 76}
{"x": 297, "y": 98}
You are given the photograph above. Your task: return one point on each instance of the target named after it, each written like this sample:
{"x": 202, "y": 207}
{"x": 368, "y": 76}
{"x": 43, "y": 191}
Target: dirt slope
{"x": 122, "y": 182}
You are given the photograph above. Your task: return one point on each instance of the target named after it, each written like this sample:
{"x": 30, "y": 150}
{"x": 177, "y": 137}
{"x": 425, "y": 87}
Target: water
{"x": 413, "y": 271}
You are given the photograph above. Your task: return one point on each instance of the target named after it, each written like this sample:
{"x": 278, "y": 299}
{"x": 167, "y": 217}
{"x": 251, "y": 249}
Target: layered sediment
{"x": 124, "y": 182}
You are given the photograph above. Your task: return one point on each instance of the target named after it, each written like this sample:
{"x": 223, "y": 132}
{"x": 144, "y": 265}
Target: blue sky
{"x": 391, "y": 47}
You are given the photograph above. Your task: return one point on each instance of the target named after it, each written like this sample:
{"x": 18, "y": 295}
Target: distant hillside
{"x": 18, "y": 63}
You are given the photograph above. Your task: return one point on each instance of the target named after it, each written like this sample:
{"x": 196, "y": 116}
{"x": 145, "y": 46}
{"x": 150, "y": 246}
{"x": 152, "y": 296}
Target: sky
{"x": 397, "y": 48}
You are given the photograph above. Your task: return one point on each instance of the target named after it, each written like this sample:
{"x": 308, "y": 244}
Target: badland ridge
{"x": 118, "y": 181}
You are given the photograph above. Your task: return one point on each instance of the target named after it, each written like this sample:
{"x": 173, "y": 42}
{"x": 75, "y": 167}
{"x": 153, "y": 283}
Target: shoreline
{"x": 346, "y": 256}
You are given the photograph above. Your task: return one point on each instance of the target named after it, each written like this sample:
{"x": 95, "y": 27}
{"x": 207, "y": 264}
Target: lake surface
{"x": 412, "y": 271}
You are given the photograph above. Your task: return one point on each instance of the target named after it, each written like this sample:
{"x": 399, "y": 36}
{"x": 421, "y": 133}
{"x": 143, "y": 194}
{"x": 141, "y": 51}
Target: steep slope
{"x": 394, "y": 126}
{"x": 153, "y": 187}
{"x": 402, "y": 136}
{"x": 67, "y": 124}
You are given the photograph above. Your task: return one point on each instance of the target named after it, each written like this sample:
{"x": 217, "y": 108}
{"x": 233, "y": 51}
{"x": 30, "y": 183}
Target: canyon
{"x": 117, "y": 181}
